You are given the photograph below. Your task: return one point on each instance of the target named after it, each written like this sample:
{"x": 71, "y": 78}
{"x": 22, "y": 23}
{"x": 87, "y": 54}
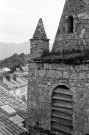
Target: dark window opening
{"x": 69, "y": 25}
{"x": 62, "y": 86}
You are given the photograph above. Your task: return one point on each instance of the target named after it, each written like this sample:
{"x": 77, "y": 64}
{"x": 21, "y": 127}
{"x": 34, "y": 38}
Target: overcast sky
{"x": 18, "y": 18}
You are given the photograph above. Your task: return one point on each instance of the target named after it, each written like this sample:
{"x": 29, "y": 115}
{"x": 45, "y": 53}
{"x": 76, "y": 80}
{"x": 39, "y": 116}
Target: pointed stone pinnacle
{"x": 40, "y": 31}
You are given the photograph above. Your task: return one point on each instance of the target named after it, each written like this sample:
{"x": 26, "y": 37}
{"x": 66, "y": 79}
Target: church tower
{"x": 73, "y": 30}
{"x": 39, "y": 44}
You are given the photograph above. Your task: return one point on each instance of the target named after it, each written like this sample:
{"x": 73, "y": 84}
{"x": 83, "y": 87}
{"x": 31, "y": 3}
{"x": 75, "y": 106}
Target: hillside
{"x": 8, "y": 49}
{"x": 14, "y": 61}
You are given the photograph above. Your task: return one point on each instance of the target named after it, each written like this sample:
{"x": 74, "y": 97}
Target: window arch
{"x": 69, "y": 25}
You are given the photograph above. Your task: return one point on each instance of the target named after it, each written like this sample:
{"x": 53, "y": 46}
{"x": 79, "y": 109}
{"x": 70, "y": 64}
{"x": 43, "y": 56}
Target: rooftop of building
{"x": 17, "y": 104}
{"x": 13, "y": 83}
{"x": 8, "y": 126}
{"x": 25, "y": 68}
{"x": 73, "y": 57}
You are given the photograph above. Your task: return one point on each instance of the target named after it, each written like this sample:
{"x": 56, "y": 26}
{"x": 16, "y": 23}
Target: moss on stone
{"x": 74, "y": 57}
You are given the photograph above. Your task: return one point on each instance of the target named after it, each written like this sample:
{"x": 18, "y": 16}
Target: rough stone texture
{"x": 79, "y": 38}
{"x": 44, "y": 79}
{"x": 40, "y": 31}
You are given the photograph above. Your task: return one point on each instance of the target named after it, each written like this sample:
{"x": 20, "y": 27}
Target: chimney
{"x": 7, "y": 75}
{"x": 1, "y": 76}
{"x": 14, "y": 77}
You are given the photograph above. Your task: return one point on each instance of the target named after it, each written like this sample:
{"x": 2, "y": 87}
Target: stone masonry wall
{"x": 43, "y": 78}
{"x": 79, "y": 38}
{"x": 38, "y": 47}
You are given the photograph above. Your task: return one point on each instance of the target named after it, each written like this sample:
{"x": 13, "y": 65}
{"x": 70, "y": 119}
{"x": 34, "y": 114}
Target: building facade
{"x": 58, "y": 92}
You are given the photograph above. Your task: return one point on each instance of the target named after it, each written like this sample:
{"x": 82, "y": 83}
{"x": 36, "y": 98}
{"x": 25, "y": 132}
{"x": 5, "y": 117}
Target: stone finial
{"x": 39, "y": 44}
{"x": 40, "y": 31}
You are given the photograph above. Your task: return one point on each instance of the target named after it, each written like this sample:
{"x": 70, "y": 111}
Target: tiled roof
{"x": 16, "y": 83}
{"x": 3, "y": 85}
{"x": 8, "y": 127}
{"x": 17, "y": 104}
{"x": 21, "y": 74}
{"x": 9, "y": 83}
{"x": 25, "y": 79}
{"x": 21, "y": 81}
{"x": 12, "y": 84}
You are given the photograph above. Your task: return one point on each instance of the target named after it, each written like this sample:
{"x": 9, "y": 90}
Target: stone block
{"x": 45, "y": 66}
{"x": 50, "y": 66}
{"x": 59, "y": 67}
{"x": 73, "y": 76}
{"x": 82, "y": 75}
{"x": 88, "y": 75}
{"x": 58, "y": 74}
{"x": 41, "y": 73}
{"x": 49, "y": 73}
{"x": 72, "y": 68}
{"x": 64, "y": 67}
{"x": 80, "y": 68}
{"x": 73, "y": 89}
{"x": 55, "y": 67}
{"x": 85, "y": 67}
{"x": 73, "y": 83}
{"x": 49, "y": 83}
{"x": 65, "y": 74}
{"x": 87, "y": 84}
{"x": 77, "y": 68}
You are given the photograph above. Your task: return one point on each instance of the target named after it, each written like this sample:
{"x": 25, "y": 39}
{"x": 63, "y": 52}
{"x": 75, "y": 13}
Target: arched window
{"x": 69, "y": 25}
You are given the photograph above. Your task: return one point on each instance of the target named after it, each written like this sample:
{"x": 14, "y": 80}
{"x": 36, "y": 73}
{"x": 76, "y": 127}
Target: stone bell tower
{"x": 73, "y": 30}
{"x": 39, "y": 43}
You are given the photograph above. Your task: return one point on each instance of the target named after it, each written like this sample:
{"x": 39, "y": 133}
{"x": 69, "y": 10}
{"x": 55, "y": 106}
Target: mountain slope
{"x": 8, "y": 49}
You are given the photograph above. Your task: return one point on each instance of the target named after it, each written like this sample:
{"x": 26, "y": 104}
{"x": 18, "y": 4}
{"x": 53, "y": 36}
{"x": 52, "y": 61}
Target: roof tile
{"x": 8, "y": 127}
